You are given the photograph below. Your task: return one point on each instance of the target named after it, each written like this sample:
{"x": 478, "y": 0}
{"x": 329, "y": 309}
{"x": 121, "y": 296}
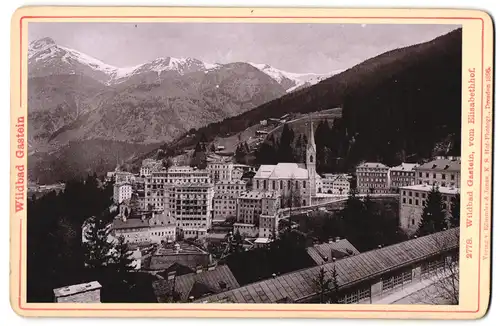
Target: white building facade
{"x": 401, "y": 176}
{"x": 226, "y": 195}
{"x": 336, "y": 184}
{"x": 191, "y": 206}
{"x": 442, "y": 171}
{"x": 412, "y": 203}
{"x": 372, "y": 178}
{"x": 121, "y": 192}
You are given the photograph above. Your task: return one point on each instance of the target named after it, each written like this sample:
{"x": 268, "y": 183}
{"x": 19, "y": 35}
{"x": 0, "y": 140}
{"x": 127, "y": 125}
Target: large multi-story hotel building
{"x": 268, "y": 220}
{"x": 412, "y": 203}
{"x": 156, "y": 184}
{"x": 149, "y": 166}
{"x": 220, "y": 170}
{"x": 401, "y": 176}
{"x": 226, "y": 195}
{"x": 372, "y": 178}
{"x": 121, "y": 192}
{"x": 191, "y": 206}
{"x": 254, "y": 208}
{"x": 443, "y": 171}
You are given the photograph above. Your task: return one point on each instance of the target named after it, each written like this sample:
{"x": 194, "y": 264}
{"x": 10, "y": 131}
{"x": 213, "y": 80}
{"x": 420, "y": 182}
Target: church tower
{"x": 311, "y": 160}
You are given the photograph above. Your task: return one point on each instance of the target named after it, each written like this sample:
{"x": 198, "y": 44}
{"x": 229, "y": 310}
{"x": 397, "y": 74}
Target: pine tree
{"x": 322, "y": 284}
{"x": 334, "y": 296}
{"x": 122, "y": 260}
{"x": 433, "y": 216}
{"x": 98, "y": 247}
{"x": 455, "y": 211}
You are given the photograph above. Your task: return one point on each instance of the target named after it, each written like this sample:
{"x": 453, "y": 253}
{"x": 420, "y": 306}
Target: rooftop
{"x": 339, "y": 249}
{"x": 182, "y": 253}
{"x": 283, "y": 171}
{"x": 179, "y": 248}
{"x": 428, "y": 188}
{"x": 197, "y": 285}
{"x": 299, "y": 285}
{"x": 130, "y": 223}
{"x": 77, "y": 288}
{"x": 441, "y": 164}
{"x": 404, "y": 167}
{"x": 372, "y": 165}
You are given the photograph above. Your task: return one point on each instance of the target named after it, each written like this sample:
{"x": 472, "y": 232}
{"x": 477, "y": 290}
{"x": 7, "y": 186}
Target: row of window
{"x": 372, "y": 174}
{"x": 372, "y": 180}
{"x": 396, "y": 280}
{"x": 281, "y": 184}
{"x": 356, "y": 295}
{"x": 373, "y": 185}
{"x": 443, "y": 184}
{"x": 403, "y": 173}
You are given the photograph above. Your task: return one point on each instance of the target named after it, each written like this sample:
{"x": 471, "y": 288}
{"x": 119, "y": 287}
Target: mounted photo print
{"x": 251, "y": 162}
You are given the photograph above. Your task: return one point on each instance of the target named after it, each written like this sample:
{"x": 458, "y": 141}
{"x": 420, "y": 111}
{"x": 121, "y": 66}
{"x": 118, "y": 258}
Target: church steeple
{"x": 311, "y": 159}
{"x": 310, "y": 139}
{"x": 311, "y": 146}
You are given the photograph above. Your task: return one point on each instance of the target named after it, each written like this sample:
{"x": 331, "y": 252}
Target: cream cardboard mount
{"x": 251, "y": 162}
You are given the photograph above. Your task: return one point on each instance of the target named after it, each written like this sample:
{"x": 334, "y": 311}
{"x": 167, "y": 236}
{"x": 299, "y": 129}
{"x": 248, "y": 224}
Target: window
{"x": 304, "y": 185}
{"x": 416, "y": 202}
{"x": 432, "y": 266}
{"x": 404, "y": 200}
{"x": 412, "y": 221}
{"x": 427, "y": 175}
{"x": 409, "y": 201}
{"x": 452, "y": 177}
{"x": 311, "y": 159}
{"x": 404, "y": 192}
{"x": 434, "y": 175}
{"x": 397, "y": 280}
{"x": 356, "y": 295}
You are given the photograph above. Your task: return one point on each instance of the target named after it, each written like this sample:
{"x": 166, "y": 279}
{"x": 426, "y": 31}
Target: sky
{"x": 300, "y": 48}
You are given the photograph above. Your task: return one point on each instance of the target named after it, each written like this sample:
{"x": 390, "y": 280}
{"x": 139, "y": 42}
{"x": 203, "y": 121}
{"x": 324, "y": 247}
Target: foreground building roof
{"x": 299, "y": 285}
{"x": 325, "y": 252}
{"x": 197, "y": 285}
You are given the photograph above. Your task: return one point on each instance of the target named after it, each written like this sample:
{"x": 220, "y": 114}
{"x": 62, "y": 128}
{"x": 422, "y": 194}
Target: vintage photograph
{"x": 238, "y": 162}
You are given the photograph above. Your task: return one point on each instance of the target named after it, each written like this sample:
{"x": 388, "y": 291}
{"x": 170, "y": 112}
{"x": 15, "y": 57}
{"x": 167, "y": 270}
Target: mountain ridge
{"x": 47, "y": 49}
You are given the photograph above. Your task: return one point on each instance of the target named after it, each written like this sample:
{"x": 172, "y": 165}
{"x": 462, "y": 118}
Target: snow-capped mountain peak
{"x": 46, "y": 57}
{"x": 292, "y": 81}
{"x": 40, "y": 45}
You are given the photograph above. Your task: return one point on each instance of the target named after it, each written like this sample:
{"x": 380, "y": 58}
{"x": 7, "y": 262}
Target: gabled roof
{"x": 340, "y": 249}
{"x": 441, "y": 164}
{"x": 299, "y": 285}
{"x": 428, "y": 188}
{"x": 197, "y": 284}
{"x": 404, "y": 167}
{"x": 372, "y": 165}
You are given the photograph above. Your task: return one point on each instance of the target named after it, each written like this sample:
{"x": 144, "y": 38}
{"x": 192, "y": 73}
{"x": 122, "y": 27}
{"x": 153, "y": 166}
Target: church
{"x": 296, "y": 180}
